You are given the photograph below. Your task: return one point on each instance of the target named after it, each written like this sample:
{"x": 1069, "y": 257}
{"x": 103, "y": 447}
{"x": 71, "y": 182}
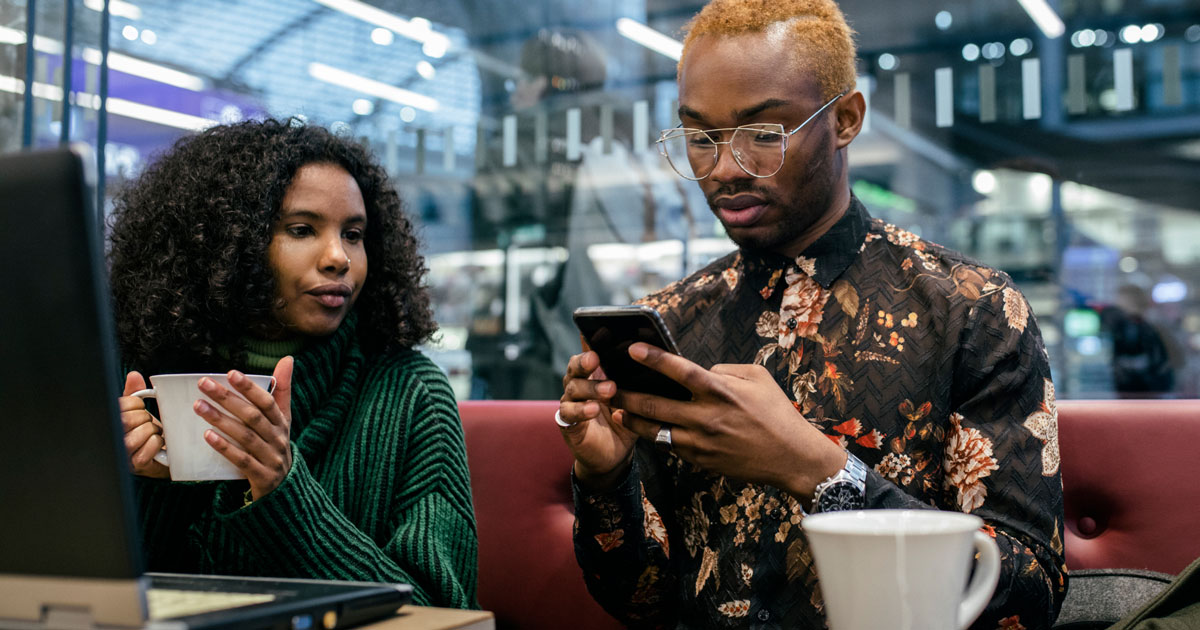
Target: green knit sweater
{"x": 379, "y": 488}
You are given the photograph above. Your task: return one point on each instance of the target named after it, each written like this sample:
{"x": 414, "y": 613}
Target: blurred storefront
{"x": 1062, "y": 147}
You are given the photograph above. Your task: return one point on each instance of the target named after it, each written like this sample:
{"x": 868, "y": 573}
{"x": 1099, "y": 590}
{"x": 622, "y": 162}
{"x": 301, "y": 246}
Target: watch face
{"x": 839, "y": 497}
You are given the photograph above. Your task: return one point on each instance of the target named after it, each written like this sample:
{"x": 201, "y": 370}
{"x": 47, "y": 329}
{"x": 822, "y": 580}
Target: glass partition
{"x": 521, "y": 135}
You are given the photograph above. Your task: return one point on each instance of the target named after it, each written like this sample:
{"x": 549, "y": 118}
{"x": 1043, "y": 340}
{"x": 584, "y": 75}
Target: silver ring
{"x": 662, "y": 441}
{"x": 559, "y": 421}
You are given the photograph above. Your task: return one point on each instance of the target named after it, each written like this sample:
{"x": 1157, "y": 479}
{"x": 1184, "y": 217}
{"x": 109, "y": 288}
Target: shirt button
{"x": 777, "y": 514}
{"x": 791, "y": 323}
{"x": 764, "y": 614}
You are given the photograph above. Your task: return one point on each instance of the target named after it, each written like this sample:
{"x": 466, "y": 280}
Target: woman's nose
{"x": 335, "y": 258}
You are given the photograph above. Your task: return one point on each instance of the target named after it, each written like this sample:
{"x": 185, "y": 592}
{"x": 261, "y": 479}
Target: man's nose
{"x": 727, "y": 168}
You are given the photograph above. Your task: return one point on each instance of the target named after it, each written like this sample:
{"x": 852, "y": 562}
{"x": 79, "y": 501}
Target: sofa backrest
{"x": 520, "y": 482}
{"x": 1131, "y": 483}
{"x": 1129, "y": 467}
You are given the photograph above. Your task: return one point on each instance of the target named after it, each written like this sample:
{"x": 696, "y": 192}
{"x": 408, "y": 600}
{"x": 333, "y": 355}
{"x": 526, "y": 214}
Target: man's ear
{"x": 850, "y": 110}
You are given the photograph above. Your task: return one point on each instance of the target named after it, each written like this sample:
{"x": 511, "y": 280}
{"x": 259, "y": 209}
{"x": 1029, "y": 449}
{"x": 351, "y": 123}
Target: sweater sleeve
{"x": 166, "y": 510}
{"x": 429, "y": 538}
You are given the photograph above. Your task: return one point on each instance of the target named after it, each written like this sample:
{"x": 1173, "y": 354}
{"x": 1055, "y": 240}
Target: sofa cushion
{"x": 521, "y": 486}
{"x": 1129, "y": 470}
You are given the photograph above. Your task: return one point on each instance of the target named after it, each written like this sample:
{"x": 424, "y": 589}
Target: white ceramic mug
{"x": 191, "y": 458}
{"x": 902, "y": 569}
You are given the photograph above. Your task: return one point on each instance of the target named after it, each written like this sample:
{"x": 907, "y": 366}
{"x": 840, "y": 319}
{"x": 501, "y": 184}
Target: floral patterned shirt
{"x": 926, "y": 365}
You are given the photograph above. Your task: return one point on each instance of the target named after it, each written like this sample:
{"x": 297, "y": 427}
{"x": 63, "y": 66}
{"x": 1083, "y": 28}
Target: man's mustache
{"x": 731, "y": 190}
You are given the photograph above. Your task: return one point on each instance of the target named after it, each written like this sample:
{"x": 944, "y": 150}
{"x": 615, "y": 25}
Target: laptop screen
{"x": 59, "y": 379}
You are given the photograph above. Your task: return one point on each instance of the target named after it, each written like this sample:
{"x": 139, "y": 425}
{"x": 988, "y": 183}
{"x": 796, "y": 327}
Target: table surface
{"x": 429, "y": 618}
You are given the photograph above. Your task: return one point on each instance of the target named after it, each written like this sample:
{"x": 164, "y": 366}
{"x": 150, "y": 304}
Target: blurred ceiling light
{"x": 118, "y": 8}
{"x": 362, "y": 107}
{"x": 993, "y": 50}
{"x": 1083, "y": 39}
{"x": 1046, "y": 19}
{"x": 1169, "y": 291}
{"x": 1102, "y": 37}
{"x": 650, "y": 38}
{"x": 408, "y": 114}
{"x": 887, "y": 61}
{"x": 943, "y": 20}
{"x": 970, "y": 52}
{"x": 1152, "y": 32}
{"x": 116, "y": 61}
{"x": 984, "y": 182}
{"x": 383, "y": 36}
{"x": 435, "y": 48}
{"x": 116, "y": 106}
{"x": 146, "y": 70}
{"x": 130, "y": 32}
{"x": 372, "y": 87}
{"x": 1131, "y": 34}
{"x": 1193, "y": 33}
{"x": 149, "y": 37}
{"x": 1128, "y": 264}
{"x": 416, "y": 29}
{"x": 1020, "y": 46}
{"x": 426, "y": 69}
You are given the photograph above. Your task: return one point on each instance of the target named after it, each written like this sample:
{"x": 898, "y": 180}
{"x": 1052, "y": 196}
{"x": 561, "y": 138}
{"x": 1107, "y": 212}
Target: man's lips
{"x": 740, "y": 210}
{"x": 331, "y": 295}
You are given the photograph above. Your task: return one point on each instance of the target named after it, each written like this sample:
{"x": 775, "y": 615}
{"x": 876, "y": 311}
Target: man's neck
{"x": 839, "y": 204}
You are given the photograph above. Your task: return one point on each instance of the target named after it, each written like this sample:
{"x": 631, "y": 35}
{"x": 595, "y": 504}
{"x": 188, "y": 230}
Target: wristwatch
{"x": 845, "y": 490}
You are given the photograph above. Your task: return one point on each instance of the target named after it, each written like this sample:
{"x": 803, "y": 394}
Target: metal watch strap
{"x": 849, "y": 485}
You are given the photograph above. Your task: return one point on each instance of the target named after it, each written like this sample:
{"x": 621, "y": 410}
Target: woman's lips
{"x": 331, "y": 296}
{"x": 331, "y": 300}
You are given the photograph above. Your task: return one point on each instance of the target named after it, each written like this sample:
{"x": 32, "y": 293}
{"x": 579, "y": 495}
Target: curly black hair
{"x": 189, "y": 238}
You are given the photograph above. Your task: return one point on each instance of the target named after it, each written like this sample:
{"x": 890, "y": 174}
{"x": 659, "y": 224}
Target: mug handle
{"x": 983, "y": 582}
{"x": 161, "y": 455}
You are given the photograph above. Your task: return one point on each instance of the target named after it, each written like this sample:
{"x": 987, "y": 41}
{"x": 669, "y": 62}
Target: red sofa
{"x": 1129, "y": 475}
{"x": 1131, "y": 483}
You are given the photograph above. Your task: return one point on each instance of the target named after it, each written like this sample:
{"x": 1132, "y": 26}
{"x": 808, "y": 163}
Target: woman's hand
{"x": 143, "y": 432}
{"x": 259, "y": 426}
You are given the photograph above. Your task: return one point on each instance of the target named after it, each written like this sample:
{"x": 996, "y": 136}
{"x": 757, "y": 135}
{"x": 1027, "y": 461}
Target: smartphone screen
{"x": 610, "y": 330}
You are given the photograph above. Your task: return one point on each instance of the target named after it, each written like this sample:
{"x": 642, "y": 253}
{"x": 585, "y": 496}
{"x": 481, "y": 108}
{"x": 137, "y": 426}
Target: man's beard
{"x": 814, "y": 194}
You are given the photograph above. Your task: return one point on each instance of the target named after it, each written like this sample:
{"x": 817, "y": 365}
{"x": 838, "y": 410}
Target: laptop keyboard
{"x": 165, "y": 603}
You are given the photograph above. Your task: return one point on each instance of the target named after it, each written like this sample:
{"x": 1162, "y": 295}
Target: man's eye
{"x": 700, "y": 140}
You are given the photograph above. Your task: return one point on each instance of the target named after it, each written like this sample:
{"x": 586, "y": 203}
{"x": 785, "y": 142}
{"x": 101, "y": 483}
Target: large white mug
{"x": 190, "y": 457}
{"x": 902, "y": 569}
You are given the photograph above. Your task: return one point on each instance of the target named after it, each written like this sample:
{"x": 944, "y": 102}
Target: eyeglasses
{"x": 759, "y": 148}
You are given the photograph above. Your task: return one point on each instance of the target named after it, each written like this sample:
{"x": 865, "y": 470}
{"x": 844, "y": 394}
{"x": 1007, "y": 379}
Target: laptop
{"x": 70, "y": 552}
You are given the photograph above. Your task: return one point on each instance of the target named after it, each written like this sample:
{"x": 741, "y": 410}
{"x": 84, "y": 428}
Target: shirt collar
{"x": 825, "y": 260}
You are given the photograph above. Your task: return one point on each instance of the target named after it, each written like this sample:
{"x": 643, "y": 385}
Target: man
{"x": 834, "y": 361}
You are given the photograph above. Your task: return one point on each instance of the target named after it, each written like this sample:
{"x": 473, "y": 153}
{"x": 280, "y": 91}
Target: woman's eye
{"x": 353, "y": 236}
{"x": 299, "y": 230}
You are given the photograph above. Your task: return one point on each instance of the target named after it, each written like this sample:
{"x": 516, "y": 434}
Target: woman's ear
{"x": 851, "y": 109}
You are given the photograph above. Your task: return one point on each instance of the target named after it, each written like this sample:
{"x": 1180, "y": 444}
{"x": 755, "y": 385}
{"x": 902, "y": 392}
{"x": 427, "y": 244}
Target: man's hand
{"x": 739, "y": 424}
{"x": 259, "y": 426}
{"x": 603, "y": 449}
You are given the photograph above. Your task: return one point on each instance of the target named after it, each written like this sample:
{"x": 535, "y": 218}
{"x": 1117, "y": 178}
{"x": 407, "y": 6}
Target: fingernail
{"x": 235, "y": 377}
{"x": 607, "y": 388}
{"x": 200, "y": 406}
{"x": 210, "y": 436}
{"x": 639, "y": 350}
{"x": 206, "y": 384}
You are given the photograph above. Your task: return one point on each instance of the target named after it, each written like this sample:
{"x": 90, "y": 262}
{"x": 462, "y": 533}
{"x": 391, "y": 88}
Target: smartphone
{"x": 610, "y": 330}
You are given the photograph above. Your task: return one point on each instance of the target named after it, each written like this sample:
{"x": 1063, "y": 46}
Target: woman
{"x": 276, "y": 247}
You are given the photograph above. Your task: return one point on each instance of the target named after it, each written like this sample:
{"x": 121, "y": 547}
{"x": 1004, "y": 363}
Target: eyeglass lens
{"x": 694, "y": 153}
